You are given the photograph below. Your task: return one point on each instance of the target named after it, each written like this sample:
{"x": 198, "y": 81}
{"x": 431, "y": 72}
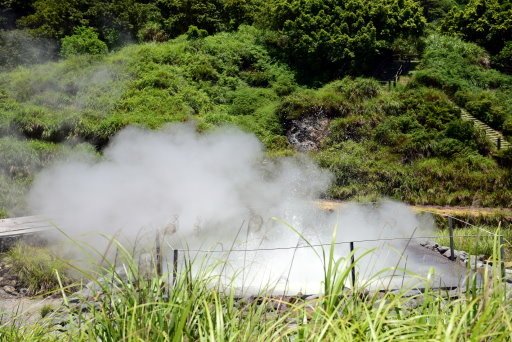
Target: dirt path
{"x": 23, "y": 310}
{"x": 434, "y": 209}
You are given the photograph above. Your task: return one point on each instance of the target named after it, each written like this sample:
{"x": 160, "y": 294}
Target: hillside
{"x": 301, "y": 75}
{"x": 407, "y": 142}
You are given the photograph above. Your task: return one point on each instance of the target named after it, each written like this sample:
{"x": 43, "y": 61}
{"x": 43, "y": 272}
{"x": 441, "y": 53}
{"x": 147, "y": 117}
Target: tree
{"x": 485, "y": 22}
{"x": 84, "y": 41}
{"x": 54, "y": 18}
{"x": 333, "y": 36}
{"x": 11, "y": 10}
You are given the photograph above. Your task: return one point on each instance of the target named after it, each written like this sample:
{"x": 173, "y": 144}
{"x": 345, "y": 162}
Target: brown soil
{"x": 434, "y": 209}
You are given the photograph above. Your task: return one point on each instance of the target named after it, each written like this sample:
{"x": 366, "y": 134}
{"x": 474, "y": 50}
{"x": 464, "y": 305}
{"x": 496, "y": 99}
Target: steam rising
{"x": 215, "y": 191}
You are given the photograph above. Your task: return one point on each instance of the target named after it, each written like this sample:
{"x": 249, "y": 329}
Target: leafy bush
{"x": 84, "y": 41}
{"x": 152, "y": 32}
{"x": 247, "y": 100}
{"x": 353, "y": 127}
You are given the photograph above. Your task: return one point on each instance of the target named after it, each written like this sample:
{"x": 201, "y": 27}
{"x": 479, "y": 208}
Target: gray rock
{"x": 10, "y": 290}
{"x": 442, "y": 249}
{"x": 462, "y": 255}
{"x": 448, "y": 254}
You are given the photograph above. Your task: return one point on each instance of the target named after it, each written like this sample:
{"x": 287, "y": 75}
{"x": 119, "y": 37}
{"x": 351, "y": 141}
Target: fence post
{"x": 353, "y": 261}
{"x": 452, "y": 252}
{"x": 174, "y": 267}
{"x": 158, "y": 256}
{"x": 498, "y": 143}
{"x": 502, "y": 257}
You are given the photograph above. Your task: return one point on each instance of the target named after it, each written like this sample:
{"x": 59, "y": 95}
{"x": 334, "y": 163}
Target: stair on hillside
{"x": 492, "y": 134}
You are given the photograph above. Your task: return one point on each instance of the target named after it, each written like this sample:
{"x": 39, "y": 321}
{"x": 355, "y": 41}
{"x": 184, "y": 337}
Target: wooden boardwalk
{"x": 19, "y": 226}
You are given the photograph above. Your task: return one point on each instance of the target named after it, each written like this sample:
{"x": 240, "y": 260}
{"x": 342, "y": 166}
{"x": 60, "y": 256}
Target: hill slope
{"x": 407, "y": 142}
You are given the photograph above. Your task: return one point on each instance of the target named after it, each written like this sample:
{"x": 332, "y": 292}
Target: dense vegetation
{"x": 73, "y": 78}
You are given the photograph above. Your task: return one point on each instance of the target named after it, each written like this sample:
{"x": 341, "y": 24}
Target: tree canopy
{"x": 340, "y": 36}
{"x": 485, "y": 22}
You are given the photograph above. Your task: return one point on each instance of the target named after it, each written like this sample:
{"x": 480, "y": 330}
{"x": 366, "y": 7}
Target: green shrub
{"x": 83, "y": 41}
{"x": 349, "y": 128}
{"x": 247, "y": 100}
{"x": 448, "y": 147}
{"x": 360, "y": 89}
{"x": 36, "y": 268}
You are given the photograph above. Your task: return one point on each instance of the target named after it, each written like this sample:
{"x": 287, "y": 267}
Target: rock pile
{"x": 476, "y": 262}
{"x": 10, "y": 285}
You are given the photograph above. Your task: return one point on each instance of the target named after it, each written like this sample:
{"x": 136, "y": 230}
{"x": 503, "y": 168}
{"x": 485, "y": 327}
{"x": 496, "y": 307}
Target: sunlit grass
{"x": 477, "y": 240}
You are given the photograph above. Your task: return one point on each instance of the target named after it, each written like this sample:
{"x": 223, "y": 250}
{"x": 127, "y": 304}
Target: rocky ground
{"x": 477, "y": 263}
{"x": 16, "y": 306}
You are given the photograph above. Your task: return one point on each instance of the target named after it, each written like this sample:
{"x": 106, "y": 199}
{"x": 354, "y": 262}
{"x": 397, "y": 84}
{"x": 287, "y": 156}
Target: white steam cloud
{"x": 215, "y": 191}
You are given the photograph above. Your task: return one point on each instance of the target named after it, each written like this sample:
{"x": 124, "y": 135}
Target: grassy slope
{"x": 223, "y": 79}
{"x": 405, "y": 143}
{"x": 462, "y": 70}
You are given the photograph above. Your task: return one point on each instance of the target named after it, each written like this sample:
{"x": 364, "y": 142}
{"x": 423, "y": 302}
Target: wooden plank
{"x": 23, "y": 232}
{"x": 24, "y": 225}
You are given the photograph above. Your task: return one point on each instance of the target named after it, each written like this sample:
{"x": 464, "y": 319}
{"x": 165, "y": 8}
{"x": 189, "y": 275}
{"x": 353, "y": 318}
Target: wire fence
{"x": 318, "y": 245}
{"x": 353, "y": 243}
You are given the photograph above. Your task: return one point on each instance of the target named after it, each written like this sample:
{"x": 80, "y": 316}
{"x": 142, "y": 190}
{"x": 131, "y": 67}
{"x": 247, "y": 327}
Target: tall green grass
{"x": 478, "y": 240}
{"x": 136, "y": 308}
{"x": 141, "y": 307}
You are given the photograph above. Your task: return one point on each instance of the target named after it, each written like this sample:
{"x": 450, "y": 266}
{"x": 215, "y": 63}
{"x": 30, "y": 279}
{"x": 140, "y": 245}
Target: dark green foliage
{"x": 181, "y": 14}
{"x": 53, "y": 18}
{"x": 118, "y": 21}
{"x": 485, "y": 22}
{"x": 437, "y": 9}
{"x": 429, "y": 125}
{"x": 247, "y": 100}
{"x": 11, "y": 10}
{"x": 336, "y": 99}
{"x": 152, "y": 32}
{"x": 92, "y": 98}
{"x": 83, "y": 41}
{"x": 195, "y": 33}
{"x": 503, "y": 60}
{"x": 504, "y": 157}
{"x": 326, "y": 38}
